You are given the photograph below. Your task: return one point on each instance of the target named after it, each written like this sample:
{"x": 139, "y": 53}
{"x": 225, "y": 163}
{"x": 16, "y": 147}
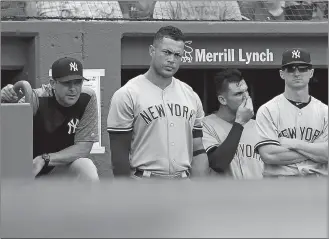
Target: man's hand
{"x": 245, "y": 111}
{"x": 8, "y": 94}
{"x": 38, "y": 163}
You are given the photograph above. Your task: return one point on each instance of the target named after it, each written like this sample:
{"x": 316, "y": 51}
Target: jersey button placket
{"x": 172, "y": 144}
{"x": 169, "y": 135}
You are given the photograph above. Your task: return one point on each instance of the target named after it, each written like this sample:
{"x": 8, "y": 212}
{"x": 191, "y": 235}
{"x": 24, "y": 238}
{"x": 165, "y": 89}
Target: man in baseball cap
{"x": 283, "y": 144}
{"x": 65, "y": 123}
{"x": 66, "y": 69}
{"x": 296, "y": 56}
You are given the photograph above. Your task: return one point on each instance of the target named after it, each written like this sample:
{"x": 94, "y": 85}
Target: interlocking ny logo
{"x": 73, "y": 66}
{"x": 73, "y": 126}
{"x": 187, "y": 52}
{"x": 295, "y": 54}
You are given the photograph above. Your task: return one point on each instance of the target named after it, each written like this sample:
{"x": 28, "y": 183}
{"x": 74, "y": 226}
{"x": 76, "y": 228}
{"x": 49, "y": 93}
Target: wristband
{"x": 46, "y": 158}
{"x": 200, "y": 151}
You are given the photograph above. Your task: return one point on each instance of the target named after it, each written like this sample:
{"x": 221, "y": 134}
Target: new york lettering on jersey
{"x": 308, "y": 124}
{"x": 162, "y": 122}
{"x": 305, "y": 133}
{"x": 246, "y": 163}
{"x": 158, "y": 111}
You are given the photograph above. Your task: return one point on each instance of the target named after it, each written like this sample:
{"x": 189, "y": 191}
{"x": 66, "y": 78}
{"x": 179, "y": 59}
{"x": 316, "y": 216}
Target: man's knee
{"x": 85, "y": 168}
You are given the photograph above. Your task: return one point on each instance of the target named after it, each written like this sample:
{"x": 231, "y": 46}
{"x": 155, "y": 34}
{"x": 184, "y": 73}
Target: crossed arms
{"x": 285, "y": 151}
{"x": 294, "y": 151}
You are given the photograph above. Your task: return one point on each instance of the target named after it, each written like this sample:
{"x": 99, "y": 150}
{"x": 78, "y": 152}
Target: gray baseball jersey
{"x": 161, "y": 122}
{"x": 280, "y": 118}
{"x": 246, "y": 163}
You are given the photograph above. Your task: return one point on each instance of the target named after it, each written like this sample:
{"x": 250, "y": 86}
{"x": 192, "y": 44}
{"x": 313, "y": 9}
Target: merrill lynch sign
{"x": 201, "y": 55}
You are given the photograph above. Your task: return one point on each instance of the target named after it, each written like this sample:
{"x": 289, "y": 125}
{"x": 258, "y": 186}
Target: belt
{"x": 143, "y": 173}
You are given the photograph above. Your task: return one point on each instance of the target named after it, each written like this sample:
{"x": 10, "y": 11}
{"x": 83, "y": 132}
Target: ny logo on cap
{"x": 73, "y": 66}
{"x": 295, "y": 54}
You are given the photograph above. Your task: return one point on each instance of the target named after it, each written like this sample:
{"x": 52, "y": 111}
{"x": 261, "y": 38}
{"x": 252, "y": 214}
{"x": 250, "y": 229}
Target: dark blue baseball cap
{"x": 296, "y": 56}
{"x": 66, "y": 69}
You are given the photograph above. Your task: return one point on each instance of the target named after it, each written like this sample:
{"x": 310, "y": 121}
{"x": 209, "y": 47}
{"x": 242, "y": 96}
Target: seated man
{"x": 65, "y": 123}
{"x": 263, "y": 10}
{"x": 142, "y": 9}
{"x": 197, "y": 10}
{"x": 65, "y": 10}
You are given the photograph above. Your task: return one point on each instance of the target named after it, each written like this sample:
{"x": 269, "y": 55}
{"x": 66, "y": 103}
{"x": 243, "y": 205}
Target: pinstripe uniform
{"x": 280, "y": 118}
{"x": 163, "y": 123}
{"x": 246, "y": 163}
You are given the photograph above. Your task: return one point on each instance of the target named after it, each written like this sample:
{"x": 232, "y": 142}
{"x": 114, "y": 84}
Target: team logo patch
{"x": 73, "y": 126}
{"x": 188, "y": 50}
{"x": 73, "y": 66}
{"x": 295, "y": 54}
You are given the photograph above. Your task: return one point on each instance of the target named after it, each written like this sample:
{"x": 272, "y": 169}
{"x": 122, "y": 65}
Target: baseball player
{"x": 155, "y": 120}
{"x": 293, "y": 126}
{"x": 64, "y": 123}
{"x": 229, "y": 133}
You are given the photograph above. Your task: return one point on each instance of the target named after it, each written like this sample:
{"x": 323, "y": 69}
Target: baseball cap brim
{"x": 71, "y": 77}
{"x": 297, "y": 62}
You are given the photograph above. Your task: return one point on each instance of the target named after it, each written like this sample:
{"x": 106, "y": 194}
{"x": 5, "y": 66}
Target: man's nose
{"x": 296, "y": 71}
{"x": 72, "y": 86}
{"x": 171, "y": 58}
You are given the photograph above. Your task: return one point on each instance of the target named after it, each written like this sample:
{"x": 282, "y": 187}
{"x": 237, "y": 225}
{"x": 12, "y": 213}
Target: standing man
{"x": 154, "y": 121}
{"x": 229, "y": 134}
{"x": 65, "y": 123}
{"x": 293, "y": 126}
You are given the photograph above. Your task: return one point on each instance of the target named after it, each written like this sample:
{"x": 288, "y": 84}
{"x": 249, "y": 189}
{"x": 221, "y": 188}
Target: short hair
{"x": 223, "y": 78}
{"x": 171, "y": 32}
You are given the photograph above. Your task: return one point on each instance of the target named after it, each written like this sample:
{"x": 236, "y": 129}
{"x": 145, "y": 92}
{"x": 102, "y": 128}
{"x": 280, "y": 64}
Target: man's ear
{"x": 282, "y": 74}
{"x": 311, "y": 73}
{"x": 52, "y": 83}
{"x": 152, "y": 50}
{"x": 221, "y": 99}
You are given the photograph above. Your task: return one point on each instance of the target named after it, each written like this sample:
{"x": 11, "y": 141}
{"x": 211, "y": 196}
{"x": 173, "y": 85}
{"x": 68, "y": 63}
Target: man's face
{"x": 166, "y": 56}
{"x": 67, "y": 93}
{"x": 297, "y": 76}
{"x": 235, "y": 93}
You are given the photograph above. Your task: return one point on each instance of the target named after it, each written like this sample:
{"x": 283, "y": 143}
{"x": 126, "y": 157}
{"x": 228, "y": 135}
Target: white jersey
{"x": 246, "y": 163}
{"x": 161, "y": 122}
{"x": 280, "y": 118}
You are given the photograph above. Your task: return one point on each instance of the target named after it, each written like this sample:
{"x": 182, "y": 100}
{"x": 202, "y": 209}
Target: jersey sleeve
{"x": 324, "y": 134}
{"x": 266, "y": 128}
{"x": 43, "y": 91}
{"x": 87, "y": 130}
{"x": 121, "y": 112}
{"x": 209, "y": 138}
{"x": 197, "y": 127}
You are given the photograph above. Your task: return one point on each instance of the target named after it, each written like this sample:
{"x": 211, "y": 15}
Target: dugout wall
{"x": 258, "y": 56}
{"x": 121, "y": 50}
